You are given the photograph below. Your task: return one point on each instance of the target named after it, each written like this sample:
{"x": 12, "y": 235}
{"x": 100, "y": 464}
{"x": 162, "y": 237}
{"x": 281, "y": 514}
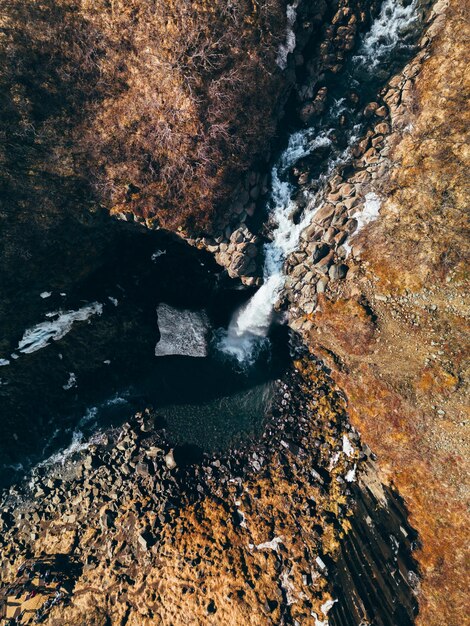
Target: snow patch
{"x": 288, "y": 46}
{"x": 351, "y": 475}
{"x": 288, "y": 587}
{"x": 370, "y": 212}
{"x": 271, "y": 545}
{"x": 320, "y": 563}
{"x": 319, "y": 622}
{"x": 326, "y": 606}
{"x": 40, "y": 335}
{"x": 364, "y": 216}
{"x": 347, "y": 447}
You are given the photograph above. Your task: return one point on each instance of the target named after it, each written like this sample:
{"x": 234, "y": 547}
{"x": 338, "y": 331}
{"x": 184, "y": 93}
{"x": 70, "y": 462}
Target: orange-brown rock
{"x": 407, "y": 388}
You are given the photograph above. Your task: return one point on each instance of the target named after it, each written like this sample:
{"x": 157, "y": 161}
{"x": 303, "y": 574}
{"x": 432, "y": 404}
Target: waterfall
{"x": 249, "y": 327}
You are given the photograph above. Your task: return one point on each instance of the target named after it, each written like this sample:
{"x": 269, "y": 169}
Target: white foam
{"x": 288, "y": 587}
{"x": 387, "y": 32}
{"x": 40, "y": 335}
{"x": 288, "y": 46}
{"x": 182, "y": 332}
{"x": 78, "y": 444}
{"x": 116, "y": 400}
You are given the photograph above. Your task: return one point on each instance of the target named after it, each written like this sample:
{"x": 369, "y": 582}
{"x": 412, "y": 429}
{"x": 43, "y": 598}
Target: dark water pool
{"x": 104, "y": 368}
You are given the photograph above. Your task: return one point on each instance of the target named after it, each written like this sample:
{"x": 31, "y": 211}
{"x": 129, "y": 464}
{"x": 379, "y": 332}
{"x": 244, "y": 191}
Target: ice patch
{"x": 71, "y": 383}
{"x": 4, "y": 362}
{"x": 182, "y": 332}
{"x": 288, "y": 46}
{"x": 40, "y": 335}
{"x": 114, "y": 301}
{"x": 157, "y": 254}
{"x": 45, "y": 294}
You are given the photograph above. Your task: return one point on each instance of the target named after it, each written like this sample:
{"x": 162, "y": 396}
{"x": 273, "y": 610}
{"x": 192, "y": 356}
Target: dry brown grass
{"x": 159, "y": 104}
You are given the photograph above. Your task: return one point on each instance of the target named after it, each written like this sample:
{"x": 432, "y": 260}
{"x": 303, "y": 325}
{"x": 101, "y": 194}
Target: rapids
{"x": 390, "y": 34}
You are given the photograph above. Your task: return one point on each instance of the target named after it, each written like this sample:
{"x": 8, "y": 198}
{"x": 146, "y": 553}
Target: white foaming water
{"x": 386, "y": 32}
{"x": 249, "y": 327}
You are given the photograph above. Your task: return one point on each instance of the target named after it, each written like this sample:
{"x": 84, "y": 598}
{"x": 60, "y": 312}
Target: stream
{"x": 382, "y": 50}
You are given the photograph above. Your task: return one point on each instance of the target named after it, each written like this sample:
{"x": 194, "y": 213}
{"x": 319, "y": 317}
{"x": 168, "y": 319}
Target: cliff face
{"x": 394, "y": 334}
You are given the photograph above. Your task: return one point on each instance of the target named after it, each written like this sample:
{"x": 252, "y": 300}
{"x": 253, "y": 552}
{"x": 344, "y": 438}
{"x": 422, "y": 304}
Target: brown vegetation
{"x": 161, "y": 105}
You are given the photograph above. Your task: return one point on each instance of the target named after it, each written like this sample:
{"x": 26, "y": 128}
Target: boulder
{"x": 170, "y": 460}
